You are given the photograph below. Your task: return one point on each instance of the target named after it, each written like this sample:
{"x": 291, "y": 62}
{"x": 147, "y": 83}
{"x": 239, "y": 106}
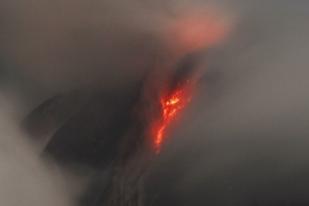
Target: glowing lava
{"x": 171, "y": 105}
{"x": 187, "y": 32}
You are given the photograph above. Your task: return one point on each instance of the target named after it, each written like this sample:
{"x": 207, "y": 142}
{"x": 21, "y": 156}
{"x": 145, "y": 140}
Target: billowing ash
{"x": 154, "y": 102}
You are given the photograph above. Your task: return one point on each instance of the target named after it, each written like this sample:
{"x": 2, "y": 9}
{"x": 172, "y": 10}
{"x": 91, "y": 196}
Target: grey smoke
{"x": 242, "y": 141}
{"x": 25, "y": 178}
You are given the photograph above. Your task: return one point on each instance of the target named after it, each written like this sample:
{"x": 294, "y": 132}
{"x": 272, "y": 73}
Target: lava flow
{"x": 171, "y": 105}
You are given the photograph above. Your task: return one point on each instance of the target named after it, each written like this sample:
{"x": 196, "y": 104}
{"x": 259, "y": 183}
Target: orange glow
{"x": 190, "y": 30}
{"x": 171, "y": 105}
{"x": 196, "y": 29}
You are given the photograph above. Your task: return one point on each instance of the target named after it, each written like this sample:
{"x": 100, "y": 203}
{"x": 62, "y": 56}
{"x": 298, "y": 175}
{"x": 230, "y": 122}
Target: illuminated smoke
{"x": 171, "y": 91}
{"x": 263, "y": 87}
{"x": 197, "y": 29}
{"x": 192, "y": 31}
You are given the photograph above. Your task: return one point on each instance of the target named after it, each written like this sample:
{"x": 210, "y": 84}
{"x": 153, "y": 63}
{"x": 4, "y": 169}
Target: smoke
{"x": 60, "y": 45}
{"x": 243, "y": 140}
{"x": 246, "y": 129}
{"x": 25, "y": 178}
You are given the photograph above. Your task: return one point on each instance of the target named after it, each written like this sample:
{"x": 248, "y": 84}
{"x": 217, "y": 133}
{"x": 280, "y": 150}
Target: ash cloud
{"x": 25, "y": 178}
{"x": 242, "y": 141}
{"x": 62, "y": 45}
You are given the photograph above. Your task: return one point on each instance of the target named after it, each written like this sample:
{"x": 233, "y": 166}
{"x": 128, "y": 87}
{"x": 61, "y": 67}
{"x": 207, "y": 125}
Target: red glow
{"x": 187, "y": 32}
{"x": 171, "y": 105}
{"x": 196, "y": 29}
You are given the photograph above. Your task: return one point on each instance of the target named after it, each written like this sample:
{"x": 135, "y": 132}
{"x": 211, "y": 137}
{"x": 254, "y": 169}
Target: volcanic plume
{"x": 137, "y": 96}
{"x": 126, "y": 138}
{"x": 187, "y": 37}
{"x": 169, "y": 100}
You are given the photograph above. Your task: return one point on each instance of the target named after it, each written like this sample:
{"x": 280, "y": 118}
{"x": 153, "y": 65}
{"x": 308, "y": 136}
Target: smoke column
{"x": 242, "y": 139}
{"x": 194, "y": 32}
{"x": 172, "y": 36}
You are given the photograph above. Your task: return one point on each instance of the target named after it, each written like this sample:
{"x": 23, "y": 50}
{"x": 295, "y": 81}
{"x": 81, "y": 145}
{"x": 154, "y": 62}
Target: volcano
{"x": 109, "y": 131}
